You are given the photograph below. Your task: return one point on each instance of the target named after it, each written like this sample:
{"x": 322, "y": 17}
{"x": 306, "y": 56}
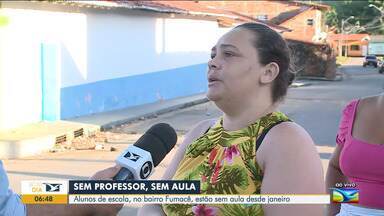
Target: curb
{"x": 299, "y": 84}
{"x": 338, "y": 77}
{"x": 113, "y": 124}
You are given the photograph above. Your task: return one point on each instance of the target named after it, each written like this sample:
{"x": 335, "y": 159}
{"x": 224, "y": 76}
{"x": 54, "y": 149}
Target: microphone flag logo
{"x": 132, "y": 156}
{"x": 146, "y": 170}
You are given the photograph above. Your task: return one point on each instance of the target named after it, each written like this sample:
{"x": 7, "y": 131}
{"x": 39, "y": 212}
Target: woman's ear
{"x": 270, "y": 73}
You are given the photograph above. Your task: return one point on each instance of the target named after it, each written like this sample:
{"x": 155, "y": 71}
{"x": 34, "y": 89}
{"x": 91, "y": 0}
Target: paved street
{"x": 316, "y": 107}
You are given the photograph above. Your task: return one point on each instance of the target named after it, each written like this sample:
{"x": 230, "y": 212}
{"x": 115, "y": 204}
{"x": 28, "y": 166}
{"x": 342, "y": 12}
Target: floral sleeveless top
{"x": 225, "y": 163}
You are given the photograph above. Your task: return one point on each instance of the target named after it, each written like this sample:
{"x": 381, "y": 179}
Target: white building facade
{"x": 64, "y": 61}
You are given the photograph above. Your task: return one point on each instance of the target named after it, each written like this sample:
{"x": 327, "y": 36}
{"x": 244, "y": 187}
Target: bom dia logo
{"x": 44, "y": 187}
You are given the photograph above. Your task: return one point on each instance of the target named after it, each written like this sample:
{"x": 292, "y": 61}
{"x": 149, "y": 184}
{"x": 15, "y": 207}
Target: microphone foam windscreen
{"x": 158, "y": 141}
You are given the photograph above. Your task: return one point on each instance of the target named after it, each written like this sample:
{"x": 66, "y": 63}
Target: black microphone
{"x": 139, "y": 159}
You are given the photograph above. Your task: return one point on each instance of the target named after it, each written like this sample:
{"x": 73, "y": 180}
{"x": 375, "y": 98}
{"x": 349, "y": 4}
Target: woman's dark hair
{"x": 271, "y": 47}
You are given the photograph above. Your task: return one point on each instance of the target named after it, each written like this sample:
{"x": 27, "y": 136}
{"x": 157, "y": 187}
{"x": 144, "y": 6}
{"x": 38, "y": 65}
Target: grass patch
{"x": 340, "y": 60}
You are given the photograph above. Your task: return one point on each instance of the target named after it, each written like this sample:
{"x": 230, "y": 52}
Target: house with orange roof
{"x": 225, "y": 18}
{"x": 311, "y": 55}
{"x": 353, "y": 45}
{"x": 304, "y": 19}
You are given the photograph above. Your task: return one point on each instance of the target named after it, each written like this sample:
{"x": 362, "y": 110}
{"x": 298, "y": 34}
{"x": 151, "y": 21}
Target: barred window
{"x": 355, "y": 47}
{"x": 310, "y": 22}
{"x": 263, "y": 17}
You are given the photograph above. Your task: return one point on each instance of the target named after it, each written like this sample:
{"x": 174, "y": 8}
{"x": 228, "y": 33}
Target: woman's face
{"x": 234, "y": 69}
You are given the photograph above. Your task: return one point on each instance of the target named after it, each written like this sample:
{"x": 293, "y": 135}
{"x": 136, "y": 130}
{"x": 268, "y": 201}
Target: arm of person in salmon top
{"x": 80, "y": 209}
{"x": 334, "y": 175}
{"x": 291, "y": 165}
{"x": 192, "y": 135}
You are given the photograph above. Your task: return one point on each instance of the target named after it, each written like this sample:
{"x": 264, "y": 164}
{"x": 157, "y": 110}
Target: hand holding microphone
{"x": 139, "y": 159}
{"x": 136, "y": 163}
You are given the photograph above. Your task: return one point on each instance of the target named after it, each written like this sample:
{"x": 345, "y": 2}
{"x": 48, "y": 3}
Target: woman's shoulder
{"x": 291, "y": 143}
{"x": 288, "y": 130}
{"x": 286, "y": 136}
{"x": 371, "y": 105}
{"x": 347, "y": 116}
{"x": 349, "y": 109}
{"x": 375, "y": 102}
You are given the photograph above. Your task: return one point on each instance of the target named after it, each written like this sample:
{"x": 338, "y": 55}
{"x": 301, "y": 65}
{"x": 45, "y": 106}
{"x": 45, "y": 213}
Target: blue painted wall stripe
{"x": 108, "y": 95}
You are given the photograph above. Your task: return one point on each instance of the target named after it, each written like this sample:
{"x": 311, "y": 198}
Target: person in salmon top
{"x": 252, "y": 148}
{"x": 359, "y": 157}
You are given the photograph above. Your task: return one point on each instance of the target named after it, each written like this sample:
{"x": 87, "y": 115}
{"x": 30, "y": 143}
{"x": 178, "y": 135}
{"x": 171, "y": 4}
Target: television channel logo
{"x": 51, "y": 187}
{"x": 344, "y": 195}
{"x": 44, "y": 187}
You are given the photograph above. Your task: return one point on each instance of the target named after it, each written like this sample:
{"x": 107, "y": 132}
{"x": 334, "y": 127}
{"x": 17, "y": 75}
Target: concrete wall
{"x": 96, "y": 61}
{"x": 149, "y": 60}
{"x": 376, "y": 48}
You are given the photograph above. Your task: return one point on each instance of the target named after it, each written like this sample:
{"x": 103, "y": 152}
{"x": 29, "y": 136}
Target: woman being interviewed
{"x": 252, "y": 148}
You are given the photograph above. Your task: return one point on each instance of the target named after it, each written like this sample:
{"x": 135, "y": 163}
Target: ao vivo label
{"x": 345, "y": 193}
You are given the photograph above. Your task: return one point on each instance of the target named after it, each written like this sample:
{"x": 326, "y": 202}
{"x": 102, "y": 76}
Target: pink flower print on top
{"x": 203, "y": 210}
{"x": 230, "y": 152}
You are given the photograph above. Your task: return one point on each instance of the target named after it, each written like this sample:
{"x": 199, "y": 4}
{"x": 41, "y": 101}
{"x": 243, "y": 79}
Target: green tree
{"x": 366, "y": 19}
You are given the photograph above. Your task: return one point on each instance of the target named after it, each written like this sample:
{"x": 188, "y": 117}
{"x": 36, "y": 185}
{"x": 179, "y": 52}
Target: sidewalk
{"x": 45, "y": 135}
{"x": 338, "y": 77}
{"x": 108, "y": 120}
{"x": 41, "y": 137}
{"x": 111, "y": 119}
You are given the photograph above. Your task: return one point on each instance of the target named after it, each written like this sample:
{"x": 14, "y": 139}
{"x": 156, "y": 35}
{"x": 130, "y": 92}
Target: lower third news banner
{"x": 147, "y": 192}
